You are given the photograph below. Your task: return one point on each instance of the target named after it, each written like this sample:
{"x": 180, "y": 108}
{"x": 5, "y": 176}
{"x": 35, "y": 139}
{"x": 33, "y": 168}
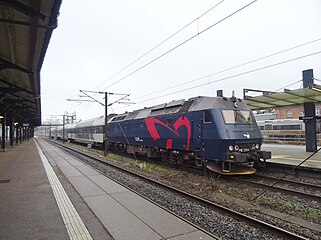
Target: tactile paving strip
{"x": 75, "y": 226}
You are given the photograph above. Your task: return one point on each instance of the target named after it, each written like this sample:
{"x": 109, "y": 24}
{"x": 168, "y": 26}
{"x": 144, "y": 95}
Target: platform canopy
{"x": 25, "y": 30}
{"x": 282, "y": 99}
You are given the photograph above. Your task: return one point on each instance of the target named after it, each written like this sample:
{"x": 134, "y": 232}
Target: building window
{"x": 301, "y": 113}
{"x": 289, "y": 113}
{"x": 318, "y": 111}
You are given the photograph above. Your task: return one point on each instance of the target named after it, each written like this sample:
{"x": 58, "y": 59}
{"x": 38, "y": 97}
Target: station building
{"x": 294, "y": 112}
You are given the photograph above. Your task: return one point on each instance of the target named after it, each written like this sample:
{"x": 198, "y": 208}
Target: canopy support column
{"x": 309, "y": 115}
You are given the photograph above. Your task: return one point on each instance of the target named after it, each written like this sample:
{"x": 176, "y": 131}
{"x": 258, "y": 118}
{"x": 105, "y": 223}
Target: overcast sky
{"x": 96, "y": 39}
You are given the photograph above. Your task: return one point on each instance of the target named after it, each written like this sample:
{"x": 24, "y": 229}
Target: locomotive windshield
{"x": 237, "y": 117}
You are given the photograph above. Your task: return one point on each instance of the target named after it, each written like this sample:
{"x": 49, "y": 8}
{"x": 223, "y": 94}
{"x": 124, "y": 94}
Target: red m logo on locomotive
{"x": 182, "y": 121}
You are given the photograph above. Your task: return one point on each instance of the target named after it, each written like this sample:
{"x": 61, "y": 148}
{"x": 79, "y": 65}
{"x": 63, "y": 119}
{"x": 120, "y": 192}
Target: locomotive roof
{"x": 93, "y": 122}
{"x": 181, "y": 106}
{"x": 176, "y": 106}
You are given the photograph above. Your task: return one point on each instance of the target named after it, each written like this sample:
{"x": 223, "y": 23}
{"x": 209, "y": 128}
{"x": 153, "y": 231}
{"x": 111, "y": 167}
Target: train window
{"x": 207, "y": 116}
{"x": 287, "y": 127}
{"x": 169, "y": 121}
{"x": 237, "y": 117}
{"x": 268, "y": 127}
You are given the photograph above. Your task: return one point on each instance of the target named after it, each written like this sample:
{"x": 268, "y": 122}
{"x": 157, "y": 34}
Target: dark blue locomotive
{"x": 215, "y": 132}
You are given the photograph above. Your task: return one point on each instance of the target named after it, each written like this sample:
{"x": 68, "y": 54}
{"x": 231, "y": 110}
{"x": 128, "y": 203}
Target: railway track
{"x": 285, "y": 186}
{"x": 297, "y": 172}
{"x": 208, "y": 204}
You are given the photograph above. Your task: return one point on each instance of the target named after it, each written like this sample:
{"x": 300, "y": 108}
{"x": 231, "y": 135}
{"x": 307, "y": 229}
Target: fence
{"x": 286, "y": 138}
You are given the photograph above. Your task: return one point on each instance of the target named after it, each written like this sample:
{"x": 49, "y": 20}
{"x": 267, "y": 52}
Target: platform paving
{"x": 73, "y": 223}
{"x": 28, "y": 207}
{"x": 292, "y": 155}
{"x": 125, "y": 214}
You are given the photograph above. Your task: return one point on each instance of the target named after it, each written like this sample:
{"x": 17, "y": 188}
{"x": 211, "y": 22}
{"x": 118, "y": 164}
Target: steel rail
{"x": 299, "y": 184}
{"x": 281, "y": 189}
{"x": 237, "y": 215}
{"x": 73, "y": 151}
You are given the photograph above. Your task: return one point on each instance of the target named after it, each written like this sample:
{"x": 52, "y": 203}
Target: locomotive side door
{"x": 208, "y": 136}
{"x": 197, "y": 137}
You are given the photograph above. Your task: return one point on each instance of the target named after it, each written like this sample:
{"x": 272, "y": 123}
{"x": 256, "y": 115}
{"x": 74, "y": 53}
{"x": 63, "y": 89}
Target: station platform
{"x": 47, "y": 194}
{"x": 292, "y": 155}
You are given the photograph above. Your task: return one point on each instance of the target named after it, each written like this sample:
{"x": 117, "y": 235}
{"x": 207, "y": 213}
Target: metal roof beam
{"x": 256, "y": 101}
{"x": 19, "y": 99}
{"x": 15, "y": 86}
{"x": 287, "y": 91}
{"x": 247, "y": 90}
{"x": 29, "y": 24}
{"x": 6, "y": 64}
{"x": 18, "y": 106}
{"x": 316, "y": 88}
{"x": 8, "y": 90}
{"x": 280, "y": 99}
{"x": 24, "y": 9}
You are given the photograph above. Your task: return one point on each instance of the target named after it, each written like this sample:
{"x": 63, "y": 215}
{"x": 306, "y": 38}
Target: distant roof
{"x": 283, "y": 99}
{"x": 25, "y": 30}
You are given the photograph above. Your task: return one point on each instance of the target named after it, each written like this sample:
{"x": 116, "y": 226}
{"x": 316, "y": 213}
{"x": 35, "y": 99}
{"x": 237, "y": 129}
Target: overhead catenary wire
{"x": 124, "y": 134}
{"x": 293, "y": 169}
{"x": 233, "y": 76}
{"x": 287, "y": 86}
{"x": 211, "y": 75}
{"x": 152, "y": 49}
{"x": 231, "y": 68}
{"x": 161, "y": 43}
{"x": 181, "y": 44}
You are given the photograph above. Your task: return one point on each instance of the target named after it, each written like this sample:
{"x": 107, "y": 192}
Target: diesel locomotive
{"x": 216, "y": 133}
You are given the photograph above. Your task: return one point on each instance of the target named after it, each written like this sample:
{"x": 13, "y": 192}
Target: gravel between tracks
{"x": 212, "y": 221}
{"x": 229, "y": 193}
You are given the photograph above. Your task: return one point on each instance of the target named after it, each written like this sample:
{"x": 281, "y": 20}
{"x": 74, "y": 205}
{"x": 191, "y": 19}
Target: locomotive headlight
{"x": 236, "y": 147}
{"x": 231, "y": 148}
{"x": 257, "y": 146}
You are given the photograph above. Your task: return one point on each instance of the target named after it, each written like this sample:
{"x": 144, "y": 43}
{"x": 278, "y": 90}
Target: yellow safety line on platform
{"x": 74, "y": 225}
